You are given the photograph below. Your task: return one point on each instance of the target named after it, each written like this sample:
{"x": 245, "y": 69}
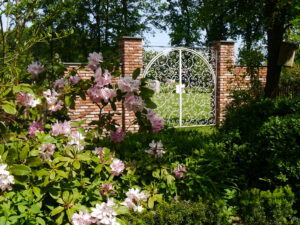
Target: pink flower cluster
{"x": 107, "y": 189}
{"x": 74, "y": 79}
{"x": 94, "y": 60}
{"x": 61, "y": 128}
{"x": 180, "y": 171}
{"x": 156, "y": 122}
{"x": 28, "y": 100}
{"x": 117, "y": 167}
{"x": 52, "y": 100}
{"x": 36, "y": 126}
{"x": 60, "y": 83}
{"x": 127, "y": 84}
{"x": 133, "y": 102}
{"x": 46, "y": 151}
{"x": 117, "y": 136}
{"x": 102, "y": 79}
{"x": 156, "y": 149}
{"x": 35, "y": 68}
{"x": 134, "y": 198}
{"x": 98, "y": 93}
{"x": 5, "y": 179}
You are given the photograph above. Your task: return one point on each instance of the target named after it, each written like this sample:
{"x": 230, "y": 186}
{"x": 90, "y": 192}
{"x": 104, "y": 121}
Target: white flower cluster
{"x": 5, "y": 179}
{"x": 52, "y": 100}
{"x": 134, "y": 198}
{"x": 76, "y": 141}
{"x": 102, "y": 214}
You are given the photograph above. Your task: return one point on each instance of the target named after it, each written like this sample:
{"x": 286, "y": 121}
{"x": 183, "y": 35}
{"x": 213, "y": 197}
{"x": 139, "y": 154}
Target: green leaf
{"x": 62, "y": 173}
{"x": 151, "y": 202}
{"x": 136, "y": 73}
{"x": 98, "y": 168}
{"x": 150, "y": 104}
{"x": 24, "y": 152}
{"x": 76, "y": 164}
{"x": 35, "y": 162}
{"x": 35, "y": 209}
{"x": 57, "y": 210}
{"x": 39, "y": 220}
{"x": 52, "y": 175}
{"x": 2, "y": 127}
{"x": 10, "y": 109}
{"x": 59, "y": 220}
{"x": 20, "y": 170}
{"x": 65, "y": 196}
{"x": 122, "y": 210}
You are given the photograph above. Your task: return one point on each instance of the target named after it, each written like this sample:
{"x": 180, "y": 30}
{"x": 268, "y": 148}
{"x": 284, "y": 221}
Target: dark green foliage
{"x": 184, "y": 213}
{"x": 263, "y": 140}
{"x": 266, "y": 207}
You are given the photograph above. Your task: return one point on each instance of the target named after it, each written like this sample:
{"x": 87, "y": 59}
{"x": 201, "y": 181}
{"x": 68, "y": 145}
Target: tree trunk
{"x": 275, "y": 31}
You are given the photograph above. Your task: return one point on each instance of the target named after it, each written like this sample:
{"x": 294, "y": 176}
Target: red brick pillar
{"x": 131, "y": 58}
{"x": 225, "y": 61}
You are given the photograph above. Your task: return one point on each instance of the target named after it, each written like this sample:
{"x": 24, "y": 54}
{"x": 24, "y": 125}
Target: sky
{"x": 161, "y": 38}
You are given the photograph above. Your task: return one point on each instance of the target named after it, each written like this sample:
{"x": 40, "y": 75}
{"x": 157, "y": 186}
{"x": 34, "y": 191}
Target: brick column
{"x": 131, "y": 58}
{"x": 225, "y": 60}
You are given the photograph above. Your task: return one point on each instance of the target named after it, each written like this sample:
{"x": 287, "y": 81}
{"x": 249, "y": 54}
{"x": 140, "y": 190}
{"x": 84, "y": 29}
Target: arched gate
{"x": 184, "y": 81}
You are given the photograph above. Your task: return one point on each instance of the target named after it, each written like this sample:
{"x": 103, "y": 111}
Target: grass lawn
{"x": 196, "y": 108}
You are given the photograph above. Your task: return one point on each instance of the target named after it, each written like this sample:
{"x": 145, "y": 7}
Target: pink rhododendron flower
{"x": 156, "y": 122}
{"x": 36, "y": 126}
{"x": 76, "y": 141}
{"x": 52, "y": 100}
{"x": 60, "y": 83}
{"x": 5, "y": 179}
{"x": 107, "y": 189}
{"x": 127, "y": 84}
{"x": 105, "y": 213}
{"x": 98, "y": 93}
{"x": 94, "y": 60}
{"x": 102, "y": 79}
{"x": 156, "y": 149}
{"x": 117, "y": 136}
{"x": 61, "y": 128}
{"x": 180, "y": 171}
{"x": 46, "y": 151}
{"x": 133, "y": 102}
{"x": 35, "y": 68}
{"x": 74, "y": 79}
{"x": 134, "y": 198}
{"x": 117, "y": 167}
{"x": 82, "y": 218}
{"x": 28, "y": 100}
{"x": 151, "y": 114}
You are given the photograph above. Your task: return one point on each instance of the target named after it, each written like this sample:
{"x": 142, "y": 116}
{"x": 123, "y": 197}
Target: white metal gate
{"x": 184, "y": 82}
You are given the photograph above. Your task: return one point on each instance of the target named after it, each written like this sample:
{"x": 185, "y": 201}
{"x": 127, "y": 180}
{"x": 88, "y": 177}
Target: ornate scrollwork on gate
{"x": 184, "y": 82}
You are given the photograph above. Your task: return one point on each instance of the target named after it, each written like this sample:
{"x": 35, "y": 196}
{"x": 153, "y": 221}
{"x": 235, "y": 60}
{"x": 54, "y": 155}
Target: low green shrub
{"x": 183, "y": 212}
{"x": 262, "y": 140}
{"x": 266, "y": 207}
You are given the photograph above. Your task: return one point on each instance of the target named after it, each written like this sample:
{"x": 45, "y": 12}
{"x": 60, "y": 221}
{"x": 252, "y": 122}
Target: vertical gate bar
{"x": 215, "y": 85}
{"x": 180, "y": 90}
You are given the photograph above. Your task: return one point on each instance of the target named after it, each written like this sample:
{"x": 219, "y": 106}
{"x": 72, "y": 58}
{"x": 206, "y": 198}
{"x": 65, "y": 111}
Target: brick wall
{"x": 229, "y": 76}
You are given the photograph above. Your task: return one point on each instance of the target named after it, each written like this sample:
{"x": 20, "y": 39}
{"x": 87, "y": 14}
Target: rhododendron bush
{"x": 51, "y": 173}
